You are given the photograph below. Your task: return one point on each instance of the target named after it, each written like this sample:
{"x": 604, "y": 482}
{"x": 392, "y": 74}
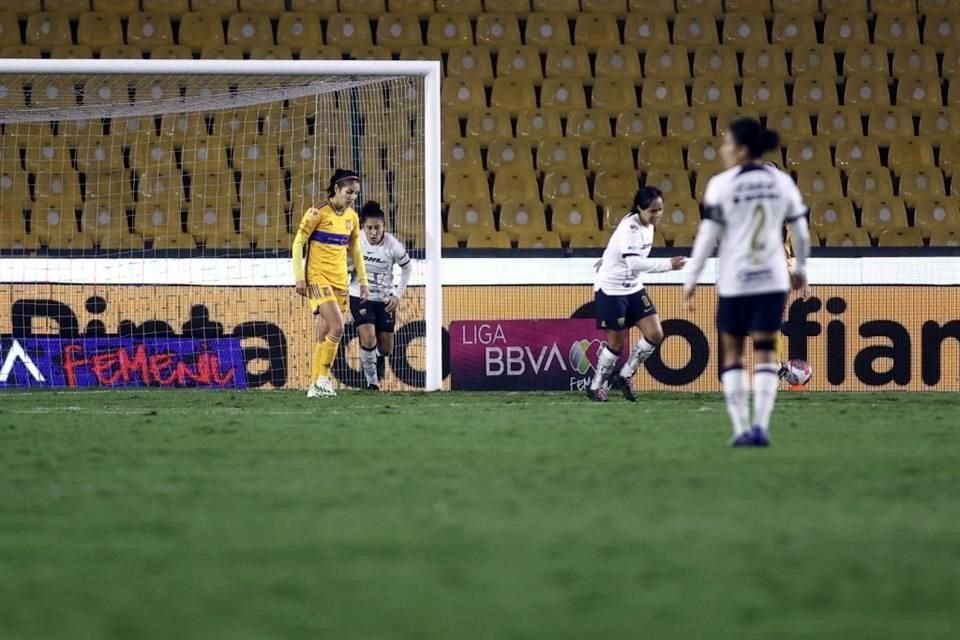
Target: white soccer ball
{"x": 798, "y": 372}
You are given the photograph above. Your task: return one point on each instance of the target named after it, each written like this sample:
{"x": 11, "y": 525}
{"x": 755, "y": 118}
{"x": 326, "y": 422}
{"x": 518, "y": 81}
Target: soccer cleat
{"x": 623, "y": 384}
{"x": 373, "y": 387}
{"x": 597, "y": 395}
{"x": 784, "y": 370}
{"x": 760, "y": 436}
{"x": 745, "y": 439}
{"x": 322, "y": 388}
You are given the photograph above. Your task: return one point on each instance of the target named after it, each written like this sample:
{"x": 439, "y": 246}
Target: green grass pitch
{"x": 251, "y": 516}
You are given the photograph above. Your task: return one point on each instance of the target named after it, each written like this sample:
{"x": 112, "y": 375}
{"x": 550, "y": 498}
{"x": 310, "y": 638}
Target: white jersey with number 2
{"x": 752, "y": 203}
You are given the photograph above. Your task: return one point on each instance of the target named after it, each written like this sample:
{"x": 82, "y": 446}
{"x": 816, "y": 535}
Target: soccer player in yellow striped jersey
{"x": 327, "y": 231}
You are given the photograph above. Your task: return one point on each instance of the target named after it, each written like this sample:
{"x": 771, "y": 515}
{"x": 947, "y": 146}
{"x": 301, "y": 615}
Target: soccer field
{"x": 264, "y": 515}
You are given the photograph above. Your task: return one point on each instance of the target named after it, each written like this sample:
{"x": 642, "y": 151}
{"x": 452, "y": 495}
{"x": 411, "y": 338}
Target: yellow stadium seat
{"x": 466, "y": 187}
{"x": 617, "y": 62}
{"x": 637, "y": 124}
{"x": 210, "y": 221}
{"x": 222, "y": 8}
{"x": 123, "y": 7}
{"x": 112, "y": 185}
{"x": 560, "y": 185}
{"x": 742, "y": 30}
{"x": 942, "y": 30}
{"x": 667, "y": 62}
{"x": 793, "y": 30}
{"x": 614, "y": 95}
{"x": 936, "y": 213}
{"x": 461, "y": 154}
{"x": 459, "y": 6}
{"x": 70, "y": 8}
{"x": 22, "y": 7}
{"x": 172, "y": 240}
{"x": 573, "y": 215}
{"x": 513, "y": 95}
{"x": 815, "y": 91}
{"x": 183, "y": 128}
{"x": 845, "y": 30}
{"x": 659, "y": 6}
{"x": 646, "y": 31}
{"x": 519, "y": 63}
{"x": 103, "y": 218}
{"x": 945, "y": 238}
{"x": 547, "y": 30}
{"x": 939, "y": 121}
{"x": 918, "y": 91}
{"x": 9, "y": 154}
{"x": 609, "y": 154}
{"x": 918, "y": 184}
{"x": 283, "y": 52}
{"x": 585, "y": 126}
{"x": 568, "y": 8}
{"x": 953, "y": 94}
{"x": 51, "y": 221}
{"x": 589, "y": 240}
{"x": 164, "y": 187}
{"x": 498, "y": 30}
{"x": 14, "y": 192}
{"x": 488, "y": 125}
{"x": 370, "y": 53}
{"x": 900, "y": 237}
{"x": 700, "y": 185}
{"x": 47, "y": 30}
{"x": 463, "y": 94}
{"x": 299, "y": 30}
{"x": 894, "y": 6}
{"x": 222, "y": 52}
{"x": 866, "y": 91}
{"x": 69, "y": 239}
{"x": 856, "y": 152}
{"x": 892, "y": 30}
{"x": 827, "y": 216}
{"x": 120, "y": 241}
{"x": 118, "y": 52}
{"x": 717, "y": 62}
{"x": 275, "y": 8}
{"x": 687, "y": 124}
{"x": 820, "y": 183}
{"x": 562, "y": 95}
{"x": 47, "y": 153}
{"x": 695, "y": 29}
{"x": 174, "y": 8}
{"x": 421, "y": 53}
{"x": 522, "y": 218}
{"x": 259, "y": 185}
{"x": 367, "y": 7}
{"x": 260, "y": 221}
{"x": 9, "y": 29}
{"x": 515, "y": 187}
{"x": 703, "y": 155}
{"x": 99, "y": 155}
{"x": 839, "y": 122}
{"x": 488, "y": 240}
{"x": 713, "y": 7}
{"x": 816, "y": 59}
{"x": 538, "y": 240}
{"x": 153, "y": 153}
{"x": 764, "y": 93}
{"x": 808, "y": 153}
{"x": 21, "y": 51}
{"x": 501, "y": 6}
{"x": 396, "y": 31}
{"x": 73, "y": 52}
{"x": 170, "y": 52}
{"x": 865, "y": 183}
{"x": 614, "y": 212}
{"x": 199, "y": 30}
{"x": 449, "y": 30}
{"x": 765, "y": 60}
{"x": 615, "y": 186}
{"x": 322, "y": 7}
{"x": 471, "y": 62}
{"x": 950, "y": 159}
{"x": 886, "y": 124}
{"x": 675, "y": 183}
{"x": 910, "y": 153}
{"x": 570, "y": 62}
{"x": 348, "y": 31}
{"x": 464, "y": 218}
{"x": 866, "y": 58}
{"x": 535, "y": 125}
{"x": 933, "y": 6}
{"x": 449, "y": 240}
{"x": 559, "y": 155}
{"x": 617, "y": 7}
{"x": 204, "y": 155}
{"x": 680, "y": 216}
{"x": 659, "y": 153}
{"x": 852, "y": 238}
{"x": 664, "y": 94}
{"x": 509, "y": 155}
{"x": 914, "y": 59}
{"x": 713, "y": 94}
{"x": 595, "y": 30}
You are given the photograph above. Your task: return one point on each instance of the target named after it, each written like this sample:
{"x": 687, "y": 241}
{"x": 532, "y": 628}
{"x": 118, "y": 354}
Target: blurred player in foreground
{"x": 745, "y": 208}
{"x": 620, "y": 298}
{"x": 376, "y": 317}
{"x": 327, "y": 230}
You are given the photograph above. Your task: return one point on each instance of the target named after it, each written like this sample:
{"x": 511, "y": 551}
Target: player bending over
{"x": 745, "y": 208}
{"x": 376, "y": 317}
{"x": 327, "y": 230}
{"x": 620, "y": 299}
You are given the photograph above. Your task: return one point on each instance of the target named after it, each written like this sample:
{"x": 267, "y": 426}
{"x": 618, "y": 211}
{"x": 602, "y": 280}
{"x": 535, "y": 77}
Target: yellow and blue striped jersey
{"x": 328, "y": 234}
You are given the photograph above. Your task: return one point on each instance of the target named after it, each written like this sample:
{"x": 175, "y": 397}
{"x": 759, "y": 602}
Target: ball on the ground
{"x": 798, "y": 372}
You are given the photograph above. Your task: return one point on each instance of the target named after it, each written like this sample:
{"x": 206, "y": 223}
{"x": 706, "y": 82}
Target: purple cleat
{"x": 760, "y": 436}
{"x": 745, "y": 439}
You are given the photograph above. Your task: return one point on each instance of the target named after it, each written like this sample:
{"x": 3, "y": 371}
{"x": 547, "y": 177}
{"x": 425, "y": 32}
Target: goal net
{"x": 147, "y": 212}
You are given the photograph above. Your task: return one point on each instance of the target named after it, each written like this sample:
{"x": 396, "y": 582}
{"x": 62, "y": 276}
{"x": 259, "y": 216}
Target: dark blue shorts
{"x": 616, "y": 313}
{"x": 374, "y": 313}
{"x": 740, "y": 315}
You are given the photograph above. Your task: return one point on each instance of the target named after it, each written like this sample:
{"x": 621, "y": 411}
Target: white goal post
{"x": 32, "y": 105}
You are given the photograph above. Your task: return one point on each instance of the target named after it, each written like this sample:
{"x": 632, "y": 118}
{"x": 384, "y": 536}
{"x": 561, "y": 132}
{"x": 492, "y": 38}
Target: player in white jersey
{"x": 745, "y": 207}
{"x": 620, "y": 298}
{"x": 376, "y": 317}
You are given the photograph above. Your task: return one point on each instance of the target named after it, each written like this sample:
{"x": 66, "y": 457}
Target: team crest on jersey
{"x": 621, "y": 321}
{"x": 363, "y": 312}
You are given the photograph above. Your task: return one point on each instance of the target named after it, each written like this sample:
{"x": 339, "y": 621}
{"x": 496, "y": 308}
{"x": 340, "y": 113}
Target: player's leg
{"x": 611, "y": 314}
{"x": 364, "y": 319}
{"x": 642, "y": 314}
{"x": 386, "y": 326}
{"x": 767, "y": 312}
{"x": 330, "y": 309}
{"x": 319, "y": 333}
{"x": 781, "y": 356}
{"x": 732, "y": 325}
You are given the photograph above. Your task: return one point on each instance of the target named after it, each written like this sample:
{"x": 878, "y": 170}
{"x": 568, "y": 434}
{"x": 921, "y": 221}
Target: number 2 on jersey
{"x": 757, "y": 245}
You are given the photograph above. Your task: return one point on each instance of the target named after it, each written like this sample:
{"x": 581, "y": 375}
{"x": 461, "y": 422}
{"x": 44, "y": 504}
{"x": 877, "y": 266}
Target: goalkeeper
{"x": 327, "y": 230}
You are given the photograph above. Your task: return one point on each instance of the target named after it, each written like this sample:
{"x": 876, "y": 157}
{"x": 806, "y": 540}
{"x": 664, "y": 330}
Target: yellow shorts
{"x": 320, "y": 293}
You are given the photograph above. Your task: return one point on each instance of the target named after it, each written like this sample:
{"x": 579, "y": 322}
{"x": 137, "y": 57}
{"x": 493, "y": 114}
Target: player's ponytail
{"x": 371, "y": 209}
{"x": 645, "y": 197}
{"x": 748, "y": 132}
{"x": 339, "y": 176}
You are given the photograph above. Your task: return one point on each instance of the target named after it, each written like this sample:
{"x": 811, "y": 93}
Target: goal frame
{"x": 429, "y": 70}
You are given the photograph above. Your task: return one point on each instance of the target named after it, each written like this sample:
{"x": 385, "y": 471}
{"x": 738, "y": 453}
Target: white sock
{"x": 736, "y": 393}
{"x": 638, "y": 356}
{"x": 606, "y": 361}
{"x": 368, "y": 362}
{"x": 765, "y": 385}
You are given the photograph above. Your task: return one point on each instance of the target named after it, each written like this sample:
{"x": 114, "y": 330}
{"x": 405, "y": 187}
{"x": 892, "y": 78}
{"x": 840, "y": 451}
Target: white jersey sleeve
{"x": 625, "y": 258}
{"x": 751, "y": 203}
